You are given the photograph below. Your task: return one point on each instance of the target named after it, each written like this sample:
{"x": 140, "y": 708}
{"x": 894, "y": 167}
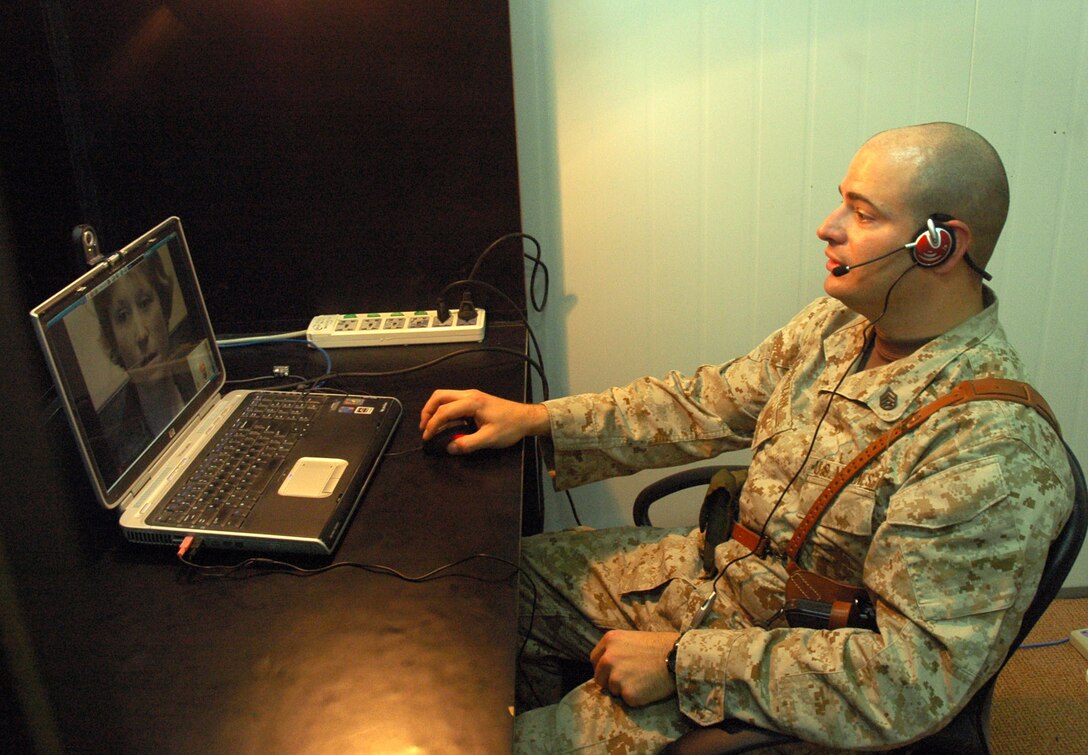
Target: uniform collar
{"x": 890, "y": 390}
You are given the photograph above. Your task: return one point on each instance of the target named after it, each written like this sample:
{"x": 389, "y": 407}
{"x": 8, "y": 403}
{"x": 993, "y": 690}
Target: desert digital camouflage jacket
{"x": 948, "y": 529}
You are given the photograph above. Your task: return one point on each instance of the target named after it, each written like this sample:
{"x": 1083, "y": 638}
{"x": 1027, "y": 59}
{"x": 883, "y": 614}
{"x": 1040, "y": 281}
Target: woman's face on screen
{"x": 139, "y": 326}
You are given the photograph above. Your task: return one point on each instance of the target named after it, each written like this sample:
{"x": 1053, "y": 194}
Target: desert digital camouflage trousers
{"x": 576, "y": 585}
{"x": 574, "y": 588}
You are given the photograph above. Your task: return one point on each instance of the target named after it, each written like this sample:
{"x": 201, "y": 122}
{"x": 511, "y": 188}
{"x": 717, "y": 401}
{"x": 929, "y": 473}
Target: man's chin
{"x": 839, "y": 289}
{"x": 833, "y": 287}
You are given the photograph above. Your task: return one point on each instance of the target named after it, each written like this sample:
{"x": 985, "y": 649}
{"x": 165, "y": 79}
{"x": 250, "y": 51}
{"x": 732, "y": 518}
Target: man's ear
{"x": 962, "y": 232}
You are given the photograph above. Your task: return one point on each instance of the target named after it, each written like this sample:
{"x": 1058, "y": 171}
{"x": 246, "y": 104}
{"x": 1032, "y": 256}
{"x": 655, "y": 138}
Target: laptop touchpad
{"x": 313, "y": 477}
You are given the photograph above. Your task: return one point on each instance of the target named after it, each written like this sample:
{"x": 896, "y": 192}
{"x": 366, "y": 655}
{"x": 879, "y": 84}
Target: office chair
{"x": 969, "y": 731}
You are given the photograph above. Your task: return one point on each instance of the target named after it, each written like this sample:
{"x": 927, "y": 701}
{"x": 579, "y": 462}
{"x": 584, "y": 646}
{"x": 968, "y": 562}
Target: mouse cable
{"x": 260, "y": 566}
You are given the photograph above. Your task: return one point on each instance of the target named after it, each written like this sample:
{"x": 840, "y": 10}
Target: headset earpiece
{"x": 934, "y": 244}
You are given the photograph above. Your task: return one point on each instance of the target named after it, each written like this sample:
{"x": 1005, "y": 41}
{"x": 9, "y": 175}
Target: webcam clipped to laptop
{"x": 135, "y": 362}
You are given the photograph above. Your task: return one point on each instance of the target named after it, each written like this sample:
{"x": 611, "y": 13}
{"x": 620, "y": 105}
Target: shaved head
{"x": 953, "y": 171}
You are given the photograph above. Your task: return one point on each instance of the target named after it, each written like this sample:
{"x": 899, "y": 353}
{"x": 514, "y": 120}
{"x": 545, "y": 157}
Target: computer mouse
{"x": 436, "y": 444}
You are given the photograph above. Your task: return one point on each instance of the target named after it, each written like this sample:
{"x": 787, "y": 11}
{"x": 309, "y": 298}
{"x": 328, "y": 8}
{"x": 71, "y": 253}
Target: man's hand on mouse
{"x": 501, "y": 423}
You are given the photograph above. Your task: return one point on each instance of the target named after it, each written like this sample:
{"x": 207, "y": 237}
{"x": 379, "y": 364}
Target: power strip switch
{"x": 394, "y": 328}
{"x": 1079, "y": 639}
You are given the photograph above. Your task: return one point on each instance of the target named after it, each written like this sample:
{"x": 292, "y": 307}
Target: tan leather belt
{"x": 749, "y": 539}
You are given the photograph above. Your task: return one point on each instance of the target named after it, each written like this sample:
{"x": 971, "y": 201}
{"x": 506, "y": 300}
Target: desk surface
{"x": 143, "y": 655}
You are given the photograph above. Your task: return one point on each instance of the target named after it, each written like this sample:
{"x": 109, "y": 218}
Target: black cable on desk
{"x": 424, "y": 365}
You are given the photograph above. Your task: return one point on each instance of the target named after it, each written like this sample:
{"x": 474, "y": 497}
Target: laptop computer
{"x": 135, "y": 362}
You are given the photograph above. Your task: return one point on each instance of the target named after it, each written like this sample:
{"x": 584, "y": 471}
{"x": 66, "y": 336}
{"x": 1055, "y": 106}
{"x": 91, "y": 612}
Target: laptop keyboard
{"x": 237, "y": 467}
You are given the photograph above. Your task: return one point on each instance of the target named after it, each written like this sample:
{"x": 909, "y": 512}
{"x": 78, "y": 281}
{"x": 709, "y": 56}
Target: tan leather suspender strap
{"x": 969, "y": 390}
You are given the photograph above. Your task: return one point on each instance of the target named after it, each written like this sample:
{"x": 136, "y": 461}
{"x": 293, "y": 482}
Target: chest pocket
{"x": 838, "y": 544}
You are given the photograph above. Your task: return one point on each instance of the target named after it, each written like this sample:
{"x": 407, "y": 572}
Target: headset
{"x": 933, "y": 244}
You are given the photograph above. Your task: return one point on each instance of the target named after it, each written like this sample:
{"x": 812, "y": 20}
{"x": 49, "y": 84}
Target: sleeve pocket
{"x": 776, "y": 416}
{"x": 961, "y": 549}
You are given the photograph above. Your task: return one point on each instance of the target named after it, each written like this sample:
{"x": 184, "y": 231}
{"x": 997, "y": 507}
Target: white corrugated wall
{"x": 676, "y": 158}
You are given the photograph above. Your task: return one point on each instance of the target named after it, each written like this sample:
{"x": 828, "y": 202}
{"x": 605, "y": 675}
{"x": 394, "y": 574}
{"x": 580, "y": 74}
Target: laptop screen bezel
{"x": 112, "y": 491}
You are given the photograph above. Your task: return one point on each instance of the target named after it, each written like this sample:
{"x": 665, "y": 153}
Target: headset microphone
{"x": 933, "y": 245}
{"x": 842, "y": 270}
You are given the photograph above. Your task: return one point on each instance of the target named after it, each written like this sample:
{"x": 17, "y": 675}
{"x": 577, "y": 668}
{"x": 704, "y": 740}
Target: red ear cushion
{"x": 927, "y": 255}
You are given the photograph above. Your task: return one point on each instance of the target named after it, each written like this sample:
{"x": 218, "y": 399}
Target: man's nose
{"x": 831, "y": 230}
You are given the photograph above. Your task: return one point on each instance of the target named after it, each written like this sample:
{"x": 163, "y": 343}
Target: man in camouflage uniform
{"x": 947, "y": 530}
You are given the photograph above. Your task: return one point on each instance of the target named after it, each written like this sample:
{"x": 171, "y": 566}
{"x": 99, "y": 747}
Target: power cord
{"x": 538, "y": 266}
{"x": 466, "y": 303}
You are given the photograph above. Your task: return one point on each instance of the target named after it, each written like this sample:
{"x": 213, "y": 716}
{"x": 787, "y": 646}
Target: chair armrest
{"x": 687, "y": 478}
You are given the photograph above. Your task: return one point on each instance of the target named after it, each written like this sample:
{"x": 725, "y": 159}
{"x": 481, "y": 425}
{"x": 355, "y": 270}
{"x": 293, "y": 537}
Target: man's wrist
{"x": 670, "y": 659}
{"x": 539, "y": 421}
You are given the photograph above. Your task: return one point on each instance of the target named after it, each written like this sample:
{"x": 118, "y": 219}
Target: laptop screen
{"x": 132, "y": 354}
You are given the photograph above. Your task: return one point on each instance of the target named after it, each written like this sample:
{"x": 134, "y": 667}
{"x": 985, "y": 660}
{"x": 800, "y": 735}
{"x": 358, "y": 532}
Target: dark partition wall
{"x": 323, "y": 156}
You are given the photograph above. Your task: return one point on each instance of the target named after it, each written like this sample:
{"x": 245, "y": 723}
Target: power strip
{"x": 1079, "y": 638}
{"x": 394, "y": 328}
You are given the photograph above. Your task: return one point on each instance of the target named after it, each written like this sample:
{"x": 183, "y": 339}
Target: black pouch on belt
{"x": 817, "y": 602}
{"x": 719, "y": 511}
